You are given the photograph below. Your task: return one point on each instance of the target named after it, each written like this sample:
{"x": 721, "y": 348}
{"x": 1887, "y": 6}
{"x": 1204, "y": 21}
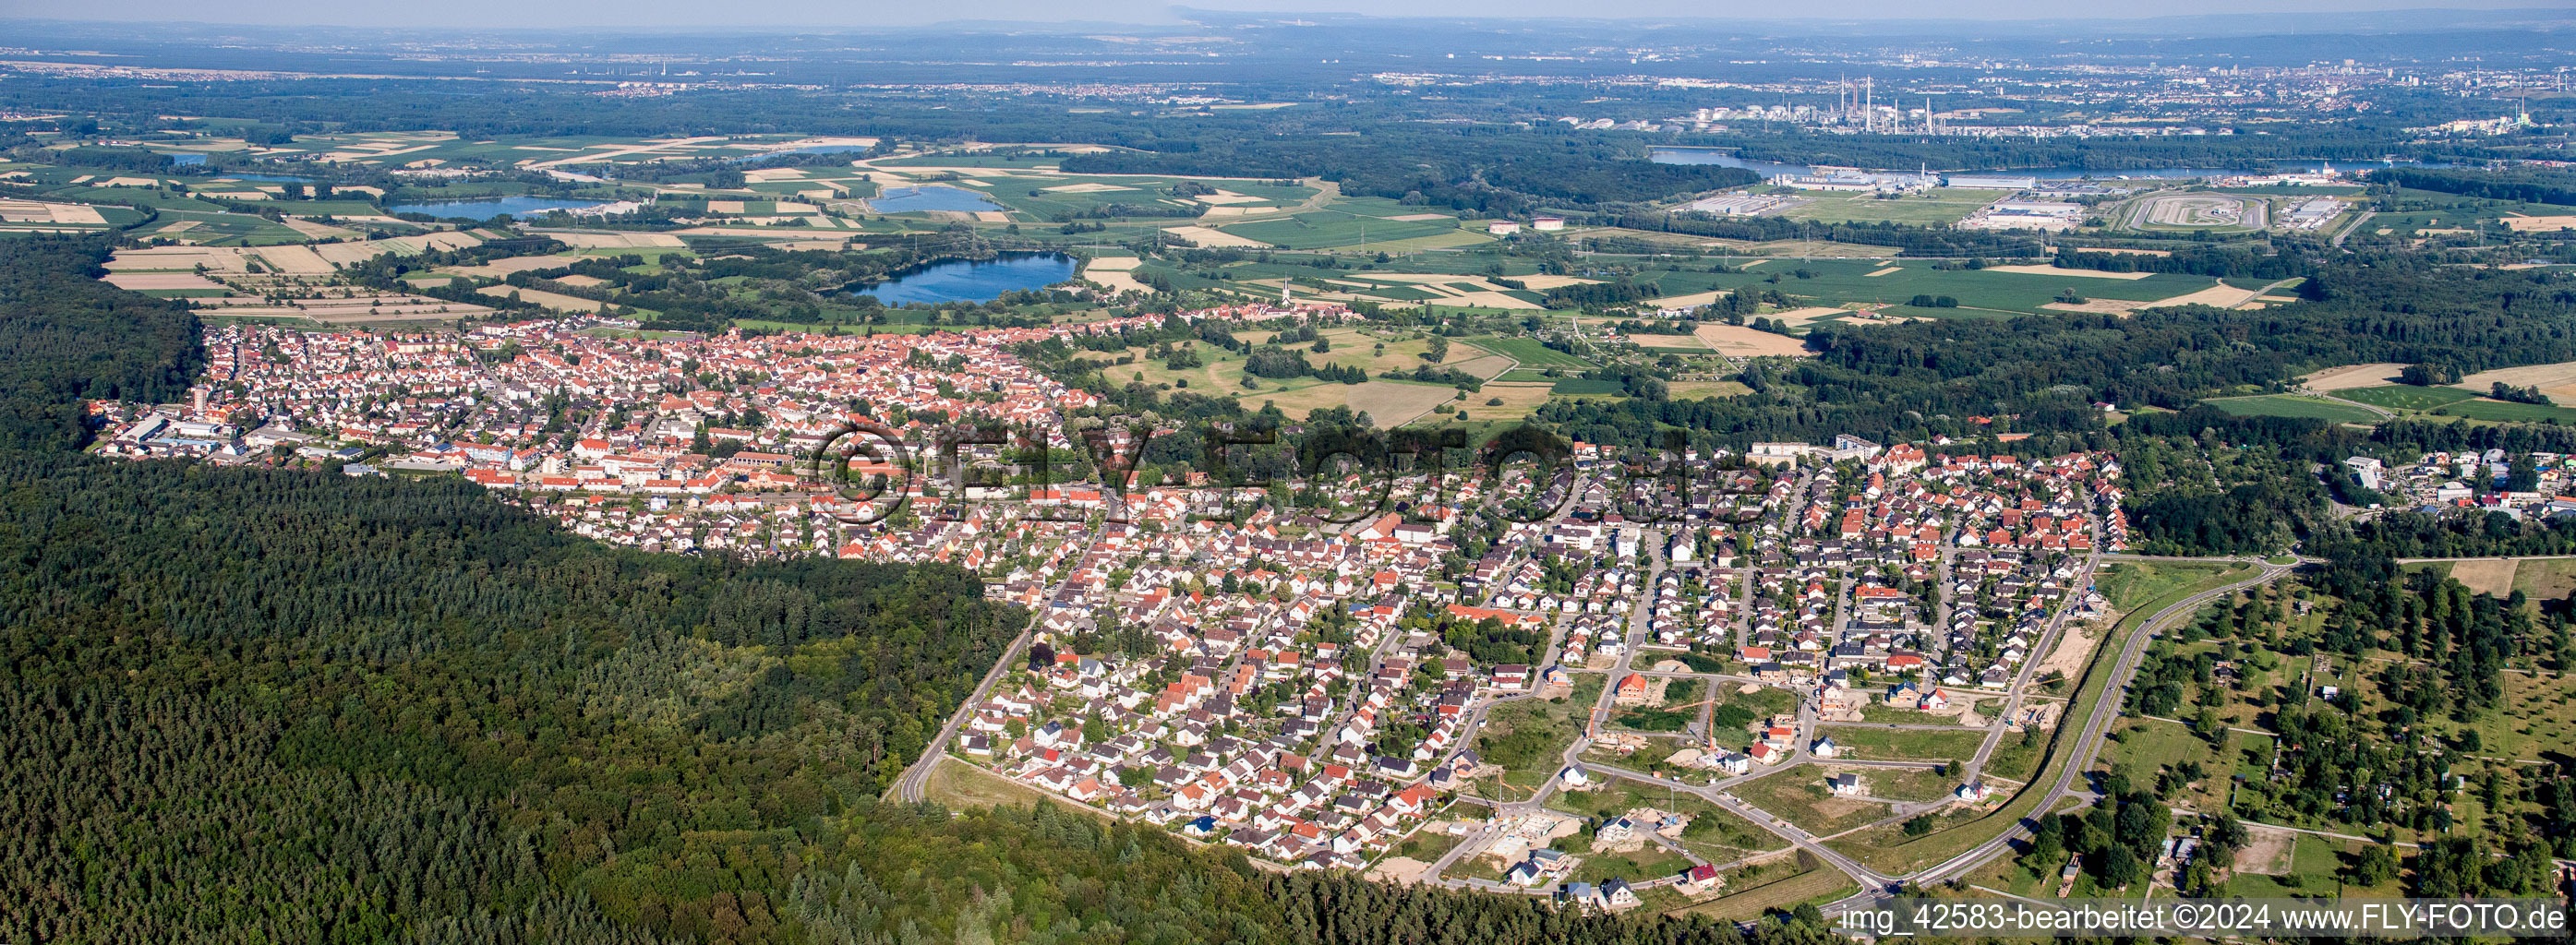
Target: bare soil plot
{"x": 2351, "y": 376}
{"x": 1210, "y": 237}
{"x": 160, "y": 280}
{"x": 2095, "y": 306}
{"x": 1116, "y": 273}
{"x": 1488, "y": 367}
{"x": 1091, "y": 188}
{"x": 176, "y": 258}
{"x": 1392, "y": 404}
{"x": 2523, "y": 224}
{"x": 1517, "y": 400}
{"x": 31, "y": 211}
{"x": 1801, "y": 317}
{"x": 1223, "y": 197}
{"x": 1543, "y": 283}
{"x": 1745, "y": 342}
{"x": 553, "y": 300}
{"x": 2485, "y": 575}
{"x": 313, "y": 230}
{"x": 1887, "y": 270}
{"x": 2556, "y": 380}
{"x": 2217, "y": 296}
{"x": 503, "y": 267}
{"x": 1686, "y": 301}
{"x": 2074, "y": 646}
{"x": 2267, "y": 851}
{"x": 295, "y": 261}
{"x": 1493, "y": 300}
{"x": 1399, "y": 869}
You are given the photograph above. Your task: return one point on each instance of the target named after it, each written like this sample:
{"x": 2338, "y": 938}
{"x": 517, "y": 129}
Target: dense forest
{"x": 67, "y": 338}
{"x": 1498, "y": 171}
{"x": 421, "y": 699}
{"x": 2532, "y": 184}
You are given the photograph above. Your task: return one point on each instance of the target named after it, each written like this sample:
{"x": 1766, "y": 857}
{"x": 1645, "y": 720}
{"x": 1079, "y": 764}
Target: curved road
{"x": 1876, "y": 886}
{"x": 909, "y": 786}
{"x": 2087, "y": 743}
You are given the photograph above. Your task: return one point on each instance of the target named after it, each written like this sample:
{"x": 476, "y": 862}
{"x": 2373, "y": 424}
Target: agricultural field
{"x": 2482, "y": 408}
{"x": 1739, "y": 341}
{"x": 1836, "y": 282}
{"x": 1517, "y": 400}
{"x": 2350, "y": 376}
{"x": 2432, "y": 213}
{"x": 1337, "y": 229}
{"x": 2558, "y": 381}
{"x": 1065, "y": 197}
{"x": 2406, "y": 396}
{"x": 1386, "y": 403}
{"x": 2292, "y": 405}
{"x": 1694, "y": 390}
{"x": 440, "y": 148}
{"x": 32, "y": 216}
{"x": 1530, "y": 353}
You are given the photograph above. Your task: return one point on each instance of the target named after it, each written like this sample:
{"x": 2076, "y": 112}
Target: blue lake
{"x": 1769, "y": 168}
{"x": 932, "y": 197}
{"x": 184, "y": 158}
{"x": 960, "y": 280}
{"x": 483, "y": 209}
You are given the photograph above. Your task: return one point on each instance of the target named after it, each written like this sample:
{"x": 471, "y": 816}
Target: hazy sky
{"x": 841, "y": 14}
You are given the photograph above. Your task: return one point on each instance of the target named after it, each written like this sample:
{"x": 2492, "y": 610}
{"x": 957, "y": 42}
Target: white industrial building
{"x": 2026, "y": 215}
{"x": 1992, "y": 182}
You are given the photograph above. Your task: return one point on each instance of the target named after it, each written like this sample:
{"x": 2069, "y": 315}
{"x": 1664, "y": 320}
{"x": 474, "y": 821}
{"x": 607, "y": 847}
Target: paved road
{"x": 1875, "y": 885}
{"x": 911, "y": 784}
{"x": 1650, "y": 549}
{"x": 2038, "y": 653}
{"x": 2078, "y": 759}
